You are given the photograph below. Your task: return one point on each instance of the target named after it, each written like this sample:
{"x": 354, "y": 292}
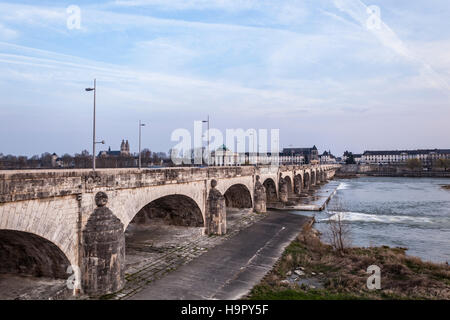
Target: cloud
{"x": 359, "y": 12}
{"x": 232, "y": 5}
{"x": 288, "y": 64}
{"x": 7, "y": 34}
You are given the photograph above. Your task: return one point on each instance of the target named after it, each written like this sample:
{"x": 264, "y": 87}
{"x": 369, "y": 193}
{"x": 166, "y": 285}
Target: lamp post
{"x": 93, "y": 131}
{"x": 140, "y": 127}
{"x": 207, "y": 121}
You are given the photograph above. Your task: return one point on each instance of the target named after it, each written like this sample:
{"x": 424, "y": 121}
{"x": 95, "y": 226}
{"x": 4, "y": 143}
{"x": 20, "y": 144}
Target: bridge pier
{"x": 216, "y": 213}
{"x": 103, "y": 251}
{"x": 283, "y": 190}
{"x": 260, "y": 197}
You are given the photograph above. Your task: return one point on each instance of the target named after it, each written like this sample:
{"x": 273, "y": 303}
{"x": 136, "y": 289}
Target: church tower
{"x": 123, "y": 149}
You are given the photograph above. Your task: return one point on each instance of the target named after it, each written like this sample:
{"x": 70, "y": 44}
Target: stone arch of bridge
{"x": 127, "y": 204}
{"x": 271, "y": 190}
{"x": 175, "y": 209}
{"x": 29, "y": 254}
{"x": 238, "y": 196}
{"x": 288, "y": 177}
{"x": 247, "y": 182}
{"x": 52, "y": 220}
{"x": 322, "y": 175}
{"x": 289, "y": 183}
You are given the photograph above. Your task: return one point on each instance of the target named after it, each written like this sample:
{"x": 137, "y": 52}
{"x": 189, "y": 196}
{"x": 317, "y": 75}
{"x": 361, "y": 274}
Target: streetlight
{"x": 93, "y": 138}
{"x": 140, "y": 127}
{"x": 207, "y": 121}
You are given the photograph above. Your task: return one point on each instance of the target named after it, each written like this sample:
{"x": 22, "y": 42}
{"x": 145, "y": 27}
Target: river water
{"x": 399, "y": 212}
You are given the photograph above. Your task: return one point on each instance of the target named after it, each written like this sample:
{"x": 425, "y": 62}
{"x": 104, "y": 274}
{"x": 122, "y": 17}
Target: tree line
{"x": 83, "y": 160}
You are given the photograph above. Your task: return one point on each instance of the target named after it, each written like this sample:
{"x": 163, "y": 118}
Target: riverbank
{"x": 389, "y": 170}
{"x": 310, "y": 269}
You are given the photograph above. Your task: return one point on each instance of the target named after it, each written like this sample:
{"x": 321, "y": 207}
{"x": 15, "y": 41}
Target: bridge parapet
{"x": 39, "y": 184}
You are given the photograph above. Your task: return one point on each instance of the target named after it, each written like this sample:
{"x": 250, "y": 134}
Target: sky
{"x": 324, "y": 72}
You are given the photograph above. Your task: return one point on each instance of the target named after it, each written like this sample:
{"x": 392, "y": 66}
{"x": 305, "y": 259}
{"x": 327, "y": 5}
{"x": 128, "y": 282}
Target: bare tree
{"x": 339, "y": 233}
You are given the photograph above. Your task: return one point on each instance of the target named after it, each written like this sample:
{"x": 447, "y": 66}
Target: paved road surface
{"x": 231, "y": 269}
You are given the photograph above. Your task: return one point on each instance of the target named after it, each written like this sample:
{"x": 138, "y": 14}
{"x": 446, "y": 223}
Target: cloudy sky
{"x": 322, "y": 71}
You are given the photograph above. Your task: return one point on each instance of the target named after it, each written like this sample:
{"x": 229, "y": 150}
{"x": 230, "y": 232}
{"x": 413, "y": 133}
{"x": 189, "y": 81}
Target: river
{"x": 399, "y": 212}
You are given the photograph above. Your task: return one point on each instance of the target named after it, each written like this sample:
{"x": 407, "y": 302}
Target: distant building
{"x": 124, "y": 151}
{"x": 223, "y": 156}
{"x": 299, "y": 155}
{"x": 427, "y": 156}
{"x": 357, "y": 157}
{"x": 327, "y": 157}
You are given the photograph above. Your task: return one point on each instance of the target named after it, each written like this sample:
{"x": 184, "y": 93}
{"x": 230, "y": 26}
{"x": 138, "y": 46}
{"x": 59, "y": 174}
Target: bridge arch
{"x": 175, "y": 209}
{"x": 238, "y": 196}
{"x": 306, "y": 181}
{"x": 29, "y": 254}
{"x": 126, "y": 204}
{"x": 288, "y": 181}
{"x": 271, "y": 190}
{"x": 52, "y": 220}
{"x": 298, "y": 184}
{"x": 313, "y": 177}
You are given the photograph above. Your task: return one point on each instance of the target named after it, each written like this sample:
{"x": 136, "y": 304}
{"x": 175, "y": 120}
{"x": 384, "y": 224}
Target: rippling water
{"x": 398, "y": 212}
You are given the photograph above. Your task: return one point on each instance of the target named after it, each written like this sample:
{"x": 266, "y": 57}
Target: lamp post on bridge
{"x": 140, "y": 129}
{"x": 93, "y": 131}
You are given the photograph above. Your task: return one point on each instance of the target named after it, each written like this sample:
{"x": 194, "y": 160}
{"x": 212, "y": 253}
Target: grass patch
{"x": 343, "y": 276}
{"x": 299, "y": 294}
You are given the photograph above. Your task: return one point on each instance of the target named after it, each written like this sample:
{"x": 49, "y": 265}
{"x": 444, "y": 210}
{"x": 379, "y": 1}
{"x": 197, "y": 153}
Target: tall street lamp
{"x": 140, "y": 127}
{"x": 93, "y": 134}
{"x": 207, "y": 121}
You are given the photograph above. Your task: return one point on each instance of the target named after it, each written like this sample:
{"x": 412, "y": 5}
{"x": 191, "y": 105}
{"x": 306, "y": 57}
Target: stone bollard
{"x": 283, "y": 190}
{"x": 103, "y": 251}
{"x": 216, "y": 213}
{"x": 260, "y": 197}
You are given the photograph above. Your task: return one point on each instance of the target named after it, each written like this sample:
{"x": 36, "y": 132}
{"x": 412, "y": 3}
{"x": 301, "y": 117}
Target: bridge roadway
{"x": 230, "y": 270}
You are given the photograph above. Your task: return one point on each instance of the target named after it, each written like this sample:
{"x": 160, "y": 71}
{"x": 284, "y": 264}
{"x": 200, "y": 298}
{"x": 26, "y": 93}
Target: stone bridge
{"x": 50, "y": 220}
